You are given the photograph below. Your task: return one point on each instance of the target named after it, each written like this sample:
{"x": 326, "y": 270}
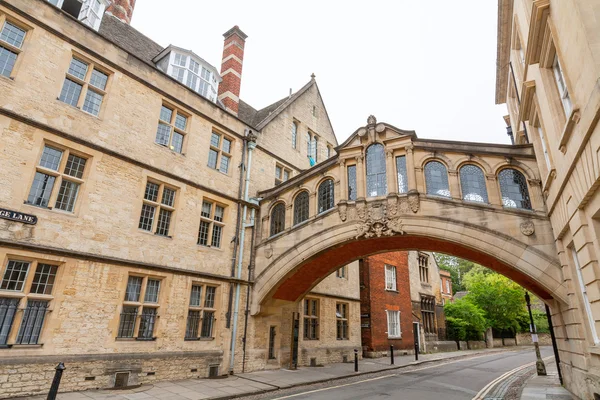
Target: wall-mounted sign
{"x": 365, "y": 325}
{"x": 18, "y": 216}
{"x": 365, "y": 315}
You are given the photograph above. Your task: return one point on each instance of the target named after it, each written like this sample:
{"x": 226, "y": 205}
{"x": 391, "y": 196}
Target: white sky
{"x": 422, "y": 65}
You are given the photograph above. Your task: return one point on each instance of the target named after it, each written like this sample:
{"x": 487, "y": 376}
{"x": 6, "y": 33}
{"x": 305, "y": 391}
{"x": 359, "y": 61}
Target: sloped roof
{"x": 129, "y": 39}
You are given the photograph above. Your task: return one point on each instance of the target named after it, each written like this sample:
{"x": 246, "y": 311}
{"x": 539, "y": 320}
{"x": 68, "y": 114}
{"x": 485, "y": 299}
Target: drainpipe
{"x": 251, "y": 146}
{"x": 250, "y": 272}
{"x": 237, "y": 235}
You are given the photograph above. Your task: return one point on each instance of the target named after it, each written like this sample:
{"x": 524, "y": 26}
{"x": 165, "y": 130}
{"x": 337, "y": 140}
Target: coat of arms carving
{"x": 375, "y": 222}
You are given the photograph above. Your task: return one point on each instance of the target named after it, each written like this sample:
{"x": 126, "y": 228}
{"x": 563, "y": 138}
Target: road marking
{"x": 483, "y": 392}
{"x": 385, "y": 376}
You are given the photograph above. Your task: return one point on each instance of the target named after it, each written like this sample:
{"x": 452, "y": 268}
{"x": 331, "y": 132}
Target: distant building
{"x": 446, "y": 286}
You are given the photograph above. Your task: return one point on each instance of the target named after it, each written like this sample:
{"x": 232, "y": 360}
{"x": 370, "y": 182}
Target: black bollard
{"x": 355, "y": 360}
{"x": 416, "y": 351}
{"x": 392, "y": 353}
{"x": 56, "y": 381}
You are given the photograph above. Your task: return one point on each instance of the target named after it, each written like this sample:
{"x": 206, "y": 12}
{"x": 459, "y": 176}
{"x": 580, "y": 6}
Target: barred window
{"x": 311, "y": 319}
{"x": 87, "y": 79}
{"x": 219, "y": 154}
{"x": 393, "y": 321}
{"x": 57, "y": 167}
{"x": 341, "y": 317}
{"x": 513, "y": 187}
{"x": 11, "y": 43}
{"x": 171, "y": 130}
{"x": 428, "y": 313}
{"x": 201, "y": 315}
{"x": 402, "y": 174}
{"x": 390, "y": 278}
{"x": 436, "y": 179}
{"x": 137, "y": 315}
{"x": 159, "y": 199}
{"x": 376, "y": 174}
{"x": 472, "y": 184}
{"x": 210, "y": 232}
{"x": 352, "y": 186}
{"x": 277, "y": 219}
{"x": 301, "y": 207}
{"x": 325, "y": 196}
{"x": 14, "y": 278}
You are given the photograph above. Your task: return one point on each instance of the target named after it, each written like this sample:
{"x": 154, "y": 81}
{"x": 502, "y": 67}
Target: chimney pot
{"x": 122, "y": 9}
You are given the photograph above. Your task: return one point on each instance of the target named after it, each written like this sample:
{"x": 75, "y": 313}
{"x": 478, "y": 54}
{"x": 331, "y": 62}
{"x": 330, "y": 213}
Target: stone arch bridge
{"x": 388, "y": 190}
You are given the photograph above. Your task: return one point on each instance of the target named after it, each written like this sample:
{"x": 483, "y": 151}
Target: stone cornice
{"x": 505, "y": 12}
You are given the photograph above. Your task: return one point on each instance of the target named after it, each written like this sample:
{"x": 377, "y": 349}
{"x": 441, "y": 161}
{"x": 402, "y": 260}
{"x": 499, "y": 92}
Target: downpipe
{"x": 250, "y": 272}
{"x": 251, "y": 147}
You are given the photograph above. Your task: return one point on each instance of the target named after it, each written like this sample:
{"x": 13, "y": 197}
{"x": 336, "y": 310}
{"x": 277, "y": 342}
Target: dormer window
{"x": 190, "y": 70}
{"x": 87, "y": 11}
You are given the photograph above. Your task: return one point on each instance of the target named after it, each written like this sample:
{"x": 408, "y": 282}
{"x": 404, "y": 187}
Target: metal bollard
{"x": 392, "y": 353}
{"x": 355, "y": 360}
{"x": 56, "y": 381}
{"x": 416, "y": 351}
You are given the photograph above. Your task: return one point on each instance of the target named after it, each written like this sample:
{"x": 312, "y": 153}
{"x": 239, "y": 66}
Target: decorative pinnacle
{"x": 371, "y": 120}
{"x": 313, "y": 76}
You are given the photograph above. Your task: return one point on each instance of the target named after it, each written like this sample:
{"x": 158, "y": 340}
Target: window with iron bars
{"x": 35, "y": 296}
{"x": 428, "y": 314}
{"x": 311, "y": 319}
{"x": 201, "y": 313}
{"x": 140, "y": 308}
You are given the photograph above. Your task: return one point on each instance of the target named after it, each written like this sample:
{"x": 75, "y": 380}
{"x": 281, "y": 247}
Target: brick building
{"x": 445, "y": 286}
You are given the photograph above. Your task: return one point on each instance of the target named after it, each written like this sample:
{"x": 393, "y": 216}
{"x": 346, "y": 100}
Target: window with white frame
{"x": 159, "y": 199}
{"x": 84, "y": 86}
{"x": 89, "y": 12}
{"x": 139, "y": 312}
{"x": 448, "y": 290}
{"x": 210, "y": 232}
{"x": 561, "y": 84}
{"x": 341, "y": 318}
{"x": 171, "y": 130}
{"x": 12, "y": 38}
{"x": 544, "y": 146}
{"x": 586, "y": 300}
{"x": 393, "y": 323}
{"x": 20, "y": 289}
{"x": 282, "y": 174}
{"x": 390, "y": 278}
{"x": 219, "y": 154}
{"x": 201, "y": 312}
{"x": 193, "y": 73}
{"x": 58, "y": 167}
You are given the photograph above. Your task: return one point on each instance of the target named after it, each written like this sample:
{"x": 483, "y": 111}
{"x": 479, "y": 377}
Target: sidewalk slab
{"x": 262, "y": 381}
{"x": 546, "y": 387}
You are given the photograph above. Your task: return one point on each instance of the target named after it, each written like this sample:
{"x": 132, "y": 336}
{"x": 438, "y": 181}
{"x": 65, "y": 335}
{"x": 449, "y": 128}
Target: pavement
{"x": 546, "y": 387}
{"x": 261, "y": 381}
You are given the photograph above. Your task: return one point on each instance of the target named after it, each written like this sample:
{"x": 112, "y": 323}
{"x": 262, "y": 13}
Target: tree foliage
{"x": 465, "y": 320}
{"x": 457, "y": 267}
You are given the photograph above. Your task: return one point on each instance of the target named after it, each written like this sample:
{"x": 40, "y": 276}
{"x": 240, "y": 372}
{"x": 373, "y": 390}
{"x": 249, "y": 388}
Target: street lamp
{"x": 539, "y": 363}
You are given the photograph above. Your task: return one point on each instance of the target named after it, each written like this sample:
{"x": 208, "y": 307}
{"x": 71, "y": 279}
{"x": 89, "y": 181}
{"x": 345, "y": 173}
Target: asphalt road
{"x": 448, "y": 380}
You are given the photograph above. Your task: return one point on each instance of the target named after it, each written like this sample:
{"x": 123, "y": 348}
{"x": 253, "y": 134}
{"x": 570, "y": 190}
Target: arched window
{"x": 277, "y": 219}
{"x": 294, "y": 134}
{"x": 301, "y": 208}
{"x": 472, "y": 183}
{"x": 376, "y": 181}
{"x": 513, "y": 187}
{"x": 436, "y": 179}
{"x": 325, "y": 195}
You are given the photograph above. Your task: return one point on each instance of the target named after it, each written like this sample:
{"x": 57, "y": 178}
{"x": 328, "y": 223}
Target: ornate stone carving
{"x": 413, "y": 201}
{"x": 371, "y": 120}
{"x": 392, "y": 205}
{"x": 380, "y": 128}
{"x": 375, "y": 222}
{"x": 343, "y": 210}
{"x": 268, "y": 251}
{"x": 527, "y": 227}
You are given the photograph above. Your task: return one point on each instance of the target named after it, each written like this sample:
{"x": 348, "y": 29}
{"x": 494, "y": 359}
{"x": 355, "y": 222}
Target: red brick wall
{"x": 122, "y": 9}
{"x": 375, "y": 300}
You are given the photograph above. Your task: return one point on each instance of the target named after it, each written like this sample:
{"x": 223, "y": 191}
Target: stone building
{"x": 446, "y": 286}
{"x": 127, "y": 213}
{"x": 547, "y": 74}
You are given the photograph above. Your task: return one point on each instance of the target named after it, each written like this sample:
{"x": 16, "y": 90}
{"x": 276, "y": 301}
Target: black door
{"x": 295, "y": 334}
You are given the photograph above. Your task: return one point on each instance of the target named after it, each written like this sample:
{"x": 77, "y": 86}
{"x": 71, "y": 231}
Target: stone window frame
{"x": 18, "y": 50}
{"x": 342, "y": 320}
{"x": 396, "y": 322}
{"x": 23, "y": 297}
{"x": 542, "y": 134}
{"x": 312, "y": 149}
{"x": 140, "y": 305}
{"x": 587, "y": 309}
{"x": 272, "y": 355}
{"x": 423, "y": 262}
{"x": 519, "y": 51}
{"x": 86, "y": 84}
{"x": 202, "y": 309}
{"x": 372, "y": 174}
{"x": 212, "y": 223}
{"x": 351, "y": 180}
{"x": 301, "y": 207}
{"x": 159, "y": 206}
{"x": 342, "y": 272}
{"x": 391, "y": 281}
{"x": 325, "y": 196}
{"x": 60, "y": 175}
{"x": 294, "y": 133}
{"x": 220, "y": 152}
{"x": 311, "y": 313}
{"x": 282, "y": 174}
{"x": 277, "y": 225}
{"x": 525, "y": 182}
{"x": 483, "y": 193}
{"x": 427, "y": 303}
{"x": 439, "y": 191}
{"x": 174, "y": 129}
{"x": 401, "y": 173}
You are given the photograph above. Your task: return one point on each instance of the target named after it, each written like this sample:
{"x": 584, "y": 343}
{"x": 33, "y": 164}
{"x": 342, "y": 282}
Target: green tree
{"x": 457, "y": 267}
{"x": 465, "y": 320}
{"x": 501, "y": 299}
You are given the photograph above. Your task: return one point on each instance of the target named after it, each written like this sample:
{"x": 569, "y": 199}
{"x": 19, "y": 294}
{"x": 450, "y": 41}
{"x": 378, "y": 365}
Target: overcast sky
{"x": 427, "y": 66}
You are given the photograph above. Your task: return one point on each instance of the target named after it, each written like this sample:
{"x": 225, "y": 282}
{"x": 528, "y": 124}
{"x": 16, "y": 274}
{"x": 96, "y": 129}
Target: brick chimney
{"x": 231, "y": 68}
{"x": 122, "y": 9}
